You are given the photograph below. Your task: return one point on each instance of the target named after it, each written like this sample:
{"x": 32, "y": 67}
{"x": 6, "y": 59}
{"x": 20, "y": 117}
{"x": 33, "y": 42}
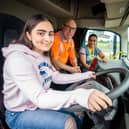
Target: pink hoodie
{"x": 27, "y": 79}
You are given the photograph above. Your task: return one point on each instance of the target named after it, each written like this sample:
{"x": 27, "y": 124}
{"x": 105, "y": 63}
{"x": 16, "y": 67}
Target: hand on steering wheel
{"x": 98, "y": 101}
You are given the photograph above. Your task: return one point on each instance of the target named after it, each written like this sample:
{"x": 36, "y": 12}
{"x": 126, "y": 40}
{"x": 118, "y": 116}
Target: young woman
{"x": 29, "y": 101}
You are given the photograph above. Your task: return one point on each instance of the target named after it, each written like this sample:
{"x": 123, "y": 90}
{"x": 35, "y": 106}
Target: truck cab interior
{"x": 109, "y": 19}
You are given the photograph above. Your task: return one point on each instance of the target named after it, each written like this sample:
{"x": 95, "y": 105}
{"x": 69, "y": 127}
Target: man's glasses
{"x": 69, "y": 27}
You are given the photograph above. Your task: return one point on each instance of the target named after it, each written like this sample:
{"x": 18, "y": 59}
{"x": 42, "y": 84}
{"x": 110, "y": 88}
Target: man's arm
{"x": 60, "y": 66}
{"x": 55, "y": 56}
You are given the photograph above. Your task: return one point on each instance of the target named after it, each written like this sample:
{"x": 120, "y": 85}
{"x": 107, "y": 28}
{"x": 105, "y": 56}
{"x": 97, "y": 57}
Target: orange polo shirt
{"x": 63, "y": 50}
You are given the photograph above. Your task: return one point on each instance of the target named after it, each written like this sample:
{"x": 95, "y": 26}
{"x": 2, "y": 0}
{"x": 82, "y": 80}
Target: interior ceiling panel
{"x": 116, "y": 10}
{"x": 112, "y": 12}
{"x": 112, "y": 1}
{"x": 116, "y": 13}
{"x": 94, "y": 9}
{"x": 112, "y": 23}
{"x": 126, "y": 21}
{"x": 48, "y": 7}
{"x": 65, "y": 4}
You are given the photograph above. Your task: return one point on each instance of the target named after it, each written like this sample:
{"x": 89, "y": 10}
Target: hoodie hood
{"x": 18, "y": 48}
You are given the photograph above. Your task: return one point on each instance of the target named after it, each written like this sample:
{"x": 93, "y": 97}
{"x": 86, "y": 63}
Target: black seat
{"x": 3, "y": 124}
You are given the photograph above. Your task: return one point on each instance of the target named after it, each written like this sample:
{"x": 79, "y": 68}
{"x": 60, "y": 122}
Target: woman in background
{"x": 89, "y": 52}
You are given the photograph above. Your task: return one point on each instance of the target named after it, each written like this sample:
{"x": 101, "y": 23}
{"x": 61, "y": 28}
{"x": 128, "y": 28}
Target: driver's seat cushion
{"x": 3, "y": 124}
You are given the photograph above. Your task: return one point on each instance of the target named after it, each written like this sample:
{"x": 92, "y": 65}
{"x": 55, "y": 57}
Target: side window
{"x": 108, "y": 42}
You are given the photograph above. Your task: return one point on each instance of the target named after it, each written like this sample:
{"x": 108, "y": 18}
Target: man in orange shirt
{"x": 63, "y": 50}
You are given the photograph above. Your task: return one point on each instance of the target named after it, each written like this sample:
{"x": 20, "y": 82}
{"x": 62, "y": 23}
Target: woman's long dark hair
{"x": 94, "y": 35}
{"x": 29, "y": 25}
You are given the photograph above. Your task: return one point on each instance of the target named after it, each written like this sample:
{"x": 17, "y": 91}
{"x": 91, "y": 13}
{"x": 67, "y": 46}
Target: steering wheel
{"x": 116, "y": 91}
{"x": 113, "y": 93}
{"x": 119, "y": 90}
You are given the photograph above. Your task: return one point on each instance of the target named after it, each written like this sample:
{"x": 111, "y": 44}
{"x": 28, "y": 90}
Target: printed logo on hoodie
{"x": 45, "y": 73}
